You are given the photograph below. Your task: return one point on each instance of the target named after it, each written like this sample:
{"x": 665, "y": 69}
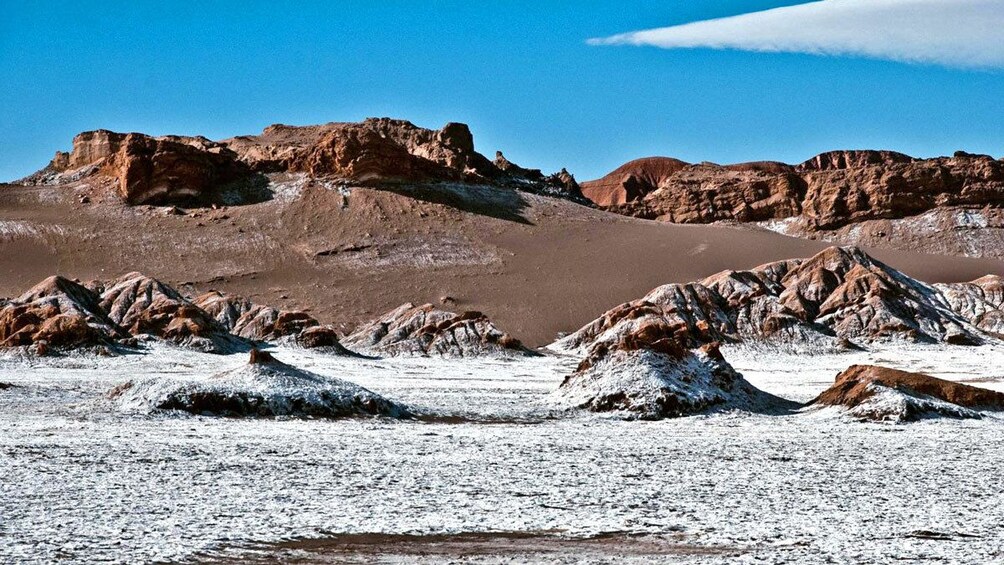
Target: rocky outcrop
{"x": 840, "y": 293}
{"x": 876, "y": 393}
{"x": 322, "y": 337}
{"x": 425, "y": 330}
{"x": 63, "y": 314}
{"x": 645, "y": 373}
{"x": 146, "y": 306}
{"x": 176, "y": 170}
{"x": 264, "y": 388}
{"x": 58, "y": 313}
{"x": 981, "y": 302}
{"x": 826, "y": 192}
{"x": 152, "y": 170}
{"x": 246, "y": 319}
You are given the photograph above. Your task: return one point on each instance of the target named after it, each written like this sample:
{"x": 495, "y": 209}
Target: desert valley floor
{"x": 503, "y": 475}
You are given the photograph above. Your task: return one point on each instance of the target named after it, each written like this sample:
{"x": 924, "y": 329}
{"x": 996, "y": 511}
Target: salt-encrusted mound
{"x": 840, "y": 293}
{"x": 980, "y": 301}
{"x": 143, "y": 305}
{"x": 876, "y": 393}
{"x": 648, "y": 375}
{"x": 264, "y": 388}
{"x": 425, "y": 330}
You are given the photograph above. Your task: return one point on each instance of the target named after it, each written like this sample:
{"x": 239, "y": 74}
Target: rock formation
{"x": 839, "y": 293}
{"x": 378, "y": 151}
{"x": 981, "y": 302}
{"x": 56, "y": 312}
{"x": 322, "y": 337}
{"x": 264, "y": 388}
{"x": 145, "y": 306}
{"x": 246, "y": 319}
{"x": 152, "y": 170}
{"x": 831, "y": 191}
{"x": 875, "y": 393}
{"x": 63, "y": 314}
{"x": 424, "y": 330}
{"x": 645, "y": 373}
{"x": 632, "y": 181}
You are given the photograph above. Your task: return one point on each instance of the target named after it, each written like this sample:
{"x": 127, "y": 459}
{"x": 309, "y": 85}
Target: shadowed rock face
{"x": 264, "y": 388}
{"x": 879, "y": 393}
{"x": 377, "y": 151}
{"x": 646, "y": 374}
{"x": 424, "y": 330}
{"x": 828, "y": 191}
{"x": 841, "y": 292}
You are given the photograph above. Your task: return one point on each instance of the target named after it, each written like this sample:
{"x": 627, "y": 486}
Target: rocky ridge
{"x": 839, "y": 295}
{"x": 869, "y": 392}
{"x": 179, "y": 170}
{"x": 859, "y": 197}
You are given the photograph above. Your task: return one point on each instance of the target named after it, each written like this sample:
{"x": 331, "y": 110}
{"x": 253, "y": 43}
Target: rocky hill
{"x": 646, "y": 373}
{"x": 834, "y": 298}
{"x": 945, "y": 204}
{"x": 180, "y": 170}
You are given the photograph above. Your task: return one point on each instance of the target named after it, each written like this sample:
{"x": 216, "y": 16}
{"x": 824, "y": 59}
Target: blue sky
{"x": 520, "y": 73}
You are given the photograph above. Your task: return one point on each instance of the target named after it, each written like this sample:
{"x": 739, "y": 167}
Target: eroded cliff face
{"x": 198, "y": 171}
{"x": 150, "y": 170}
{"x": 826, "y": 192}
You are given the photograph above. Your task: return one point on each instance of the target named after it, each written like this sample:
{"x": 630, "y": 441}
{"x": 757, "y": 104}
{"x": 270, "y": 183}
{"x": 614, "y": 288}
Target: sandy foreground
{"x": 507, "y": 477}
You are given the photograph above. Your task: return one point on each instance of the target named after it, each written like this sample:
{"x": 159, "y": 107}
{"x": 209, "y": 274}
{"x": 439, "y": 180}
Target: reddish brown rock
{"x": 375, "y": 152}
{"x": 57, "y": 312}
{"x": 154, "y": 170}
{"x": 828, "y": 191}
{"x": 880, "y": 393}
{"x": 253, "y": 321}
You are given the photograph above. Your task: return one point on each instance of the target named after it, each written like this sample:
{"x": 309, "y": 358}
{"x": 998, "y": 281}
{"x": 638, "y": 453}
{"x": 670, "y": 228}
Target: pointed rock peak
{"x": 259, "y": 357}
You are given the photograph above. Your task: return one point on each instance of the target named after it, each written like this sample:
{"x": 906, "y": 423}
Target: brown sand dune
{"x": 536, "y": 265}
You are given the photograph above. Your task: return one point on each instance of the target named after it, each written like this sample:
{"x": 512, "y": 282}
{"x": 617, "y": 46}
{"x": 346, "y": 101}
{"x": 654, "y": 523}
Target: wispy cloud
{"x": 959, "y": 33}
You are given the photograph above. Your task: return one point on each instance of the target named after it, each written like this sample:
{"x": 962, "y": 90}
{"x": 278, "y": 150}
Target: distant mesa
{"x": 264, "y": 388}
{"x": 829, "y": 190}
{"x": 426, "y": 330}
{"x": 941, "y": 205}
{"x": 833, "y": 299}
{"x": 874, "y": 393}
{"x": 646, "y": 374}
{"x": 179, "y": 170}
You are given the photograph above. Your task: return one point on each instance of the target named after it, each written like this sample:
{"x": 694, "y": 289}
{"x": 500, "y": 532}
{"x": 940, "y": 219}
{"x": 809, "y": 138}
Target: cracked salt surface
{"x": 85, "y": 481}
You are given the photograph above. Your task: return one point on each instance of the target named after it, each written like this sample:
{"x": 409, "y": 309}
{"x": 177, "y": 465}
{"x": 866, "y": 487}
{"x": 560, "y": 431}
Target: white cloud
{"x": 961, "y": 33}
